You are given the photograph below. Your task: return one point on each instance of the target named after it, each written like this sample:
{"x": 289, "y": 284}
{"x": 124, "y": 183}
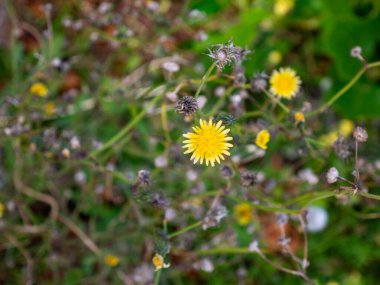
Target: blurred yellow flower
{"x": 282, "y": 7}
{"x": 209, "y": 142}
{"x": 329, "y": 138}
{"x": 49, "y": 108}
{"x": 111, "y": 260}
{"x": 158, "y": 262}
{"x": 2, "y": 208}
{"x": 284, "y": 83}
{"x": 262, "y": 139}
{"x": 346, "y": 127}
{"x": 243, "y": 213}
{"x": 299, "y": 117}
{"x": 274, "y": 57}
{"x": 39, "y": 89}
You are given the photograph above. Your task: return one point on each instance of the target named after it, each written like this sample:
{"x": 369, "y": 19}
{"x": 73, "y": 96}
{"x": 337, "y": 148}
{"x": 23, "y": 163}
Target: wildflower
{"x": 209, "y": 142}
{"x": 170, "y": 66}
{"x": 248, "y": 178}
{"x": 204, "y": 264}
{"x": 254, "y": 246}
{"x": 243, "y": 213}
{"x": 274, "y": 57}
{"x": 49, "y": 108}
{"x": 161, "y": 161}
{"x": 360, "y": 134}
{"x": 262, "y": 139}
{"x": 187, "y": 105}
{"x": 2, "y": 208}
{"x": 143, "y": 176}
{"x": 158, "y": 262}
{"x": 282, "y": 7}
{"x": 285, "y": 83}
{"x": 308, "y": 176}
{"x": 39, "y": 89}
{"x": 316, "y": 218}
{"x": 259, "y": 82}
{"x": 341, "y": 148}
{"x": 66, "y": 153}
{"x": 332, "y": 175}
{"x": 345, "y": 127}
{"x": 214, "y": 216}
{"x": 111, "y": 260}
{"x": 356, "y": 52}
{"x": 282, "y": 219}
{"x": 224, "y": 54}
{"x": 329, "y": 138}
{"x": 299, "y": 117}
{"x": 226, "y": 171}
{"x": 239, "y": 76}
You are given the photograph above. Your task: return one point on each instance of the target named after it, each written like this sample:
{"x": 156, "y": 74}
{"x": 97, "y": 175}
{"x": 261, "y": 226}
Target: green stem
{"x": 157, "y": 276}
{"x": 345, "y": 88}
{"x": 204, "y": 78}
{"x": 184, "y": 230}
{"x": 368, "y": 195}
{"x": 277, "y": 101}
{"x": 224, "y": 250}
{"x": 126, "y": 129}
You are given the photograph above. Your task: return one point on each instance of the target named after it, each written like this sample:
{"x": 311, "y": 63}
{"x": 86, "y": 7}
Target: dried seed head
{"x": 332, "y": 175}
{"x": 214, "y": 216}
{"x": 259, "y": 82}
{"x": 226, "y": 171}
{"x": 187, "y": 105}
{"x": 143, "y": 176}
{"x": 282, "y": 219}
{"x": 239, "y": 76}
{"x": 248, "y": 178}
{"x": 360, "y": 134}
{"x": 341, "y": 148}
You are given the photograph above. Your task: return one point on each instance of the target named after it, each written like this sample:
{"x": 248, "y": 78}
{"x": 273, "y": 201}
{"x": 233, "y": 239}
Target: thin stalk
{"x": 345, "y": 88}
{"x": 204, "y": 78}
{"x": 126, "y": 129}
{"x": 184, "y": 230}
{"x": 157, "y": 276}
{"x": 277, "y": 101}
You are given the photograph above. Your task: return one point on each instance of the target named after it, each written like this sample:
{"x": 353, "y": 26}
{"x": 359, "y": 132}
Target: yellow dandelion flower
{"x": 158, "y": 262}
{"x": 49, "y": 108}
{"x": 2, "y": 208}
{"x": 346, "y": 127}
{"x": 274, "y": 57}
{"x": 39, "y": 89}
{"x": 282, "y": 7}
{"x": 243, "y": 213}
{"x": 284, "y": 83}
{"x": 262, "y": 139}
{"x": 111, "y": 260}
{"x": 329, "y": 138}
{"x": 209, "y": 142}
{"x": 299, "y": 117}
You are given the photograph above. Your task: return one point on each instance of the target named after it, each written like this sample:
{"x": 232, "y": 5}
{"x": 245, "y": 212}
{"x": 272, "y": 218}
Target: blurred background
{"x": 100, "y": 63}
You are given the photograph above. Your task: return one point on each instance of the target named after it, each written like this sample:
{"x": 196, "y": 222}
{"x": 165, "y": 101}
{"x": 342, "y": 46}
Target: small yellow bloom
{"x": 209, "y": 142}
{"x": 262, "y": 139}
{"x": 39, "y": 89}
{"x": 243, "y": 213}
{"x": 2, "y": 208}
{"x": 329, "y": 138}
{"x": 282, "y": 7}
{"x": 275, "y": 57}
{"x": 111, "y": 260}
{"x": 49, "y": 108}
{"x": 284, "y": 83}
{"x": 158, "y": 262}
{"x": 299, "y": 117}
{"x": 346, "y": 127}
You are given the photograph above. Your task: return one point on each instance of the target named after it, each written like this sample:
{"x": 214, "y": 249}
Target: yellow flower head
{"x": 346, "y": 127}
{"x": 111, "y": 260}
{"x": 2, "y": 208}
{"x": 209, "y": 142}
{"x": 274, "y": 57}
{"x": 284, "y": 83}
{"x": 243, "y": 213}
{"x": 39, "y": 89}
{"x": 49, "y": 108}
{"x": 282, "y": 7}
{"x": 299, "y": 117}
{"x": 262, "y": 139}
{"x": 158, "y": 262}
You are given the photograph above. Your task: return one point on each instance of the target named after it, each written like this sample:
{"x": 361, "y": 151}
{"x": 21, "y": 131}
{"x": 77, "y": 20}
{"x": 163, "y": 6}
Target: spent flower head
{"x": 332, "y": 175}
{"x": 284, "y": 83}
{"x": 208, "y": 143}
{"x": 187, "y": 105}
{"x": 360, "y": 134}
{"x": 224, "y": 54}
{"x": 259, "y": 82}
